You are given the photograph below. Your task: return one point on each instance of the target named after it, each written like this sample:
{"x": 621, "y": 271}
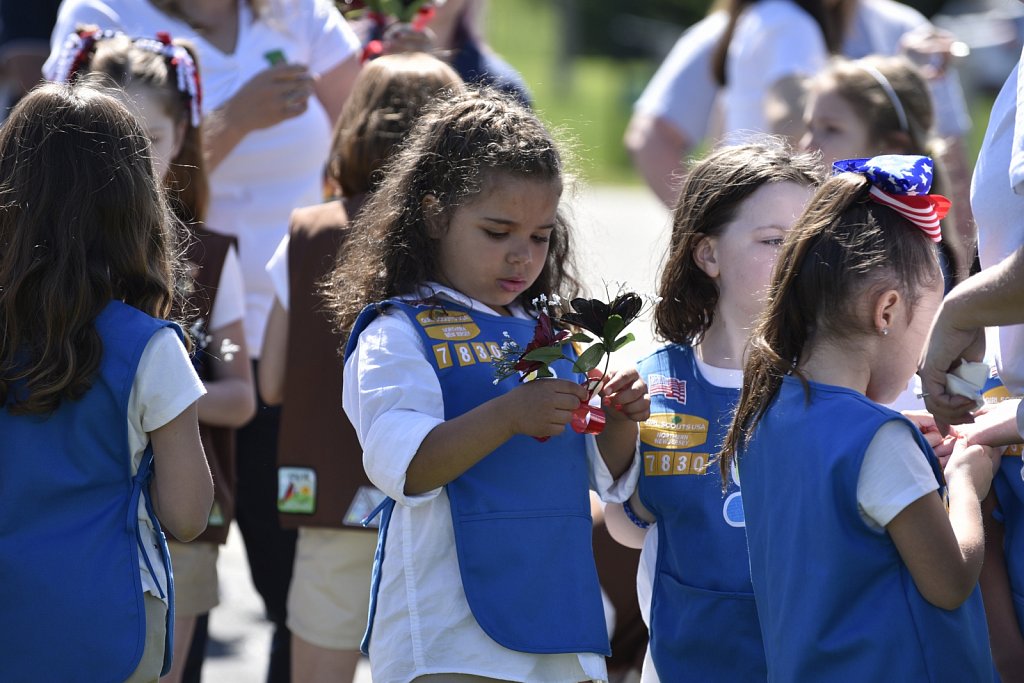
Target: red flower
{"x": 543, "y": 335}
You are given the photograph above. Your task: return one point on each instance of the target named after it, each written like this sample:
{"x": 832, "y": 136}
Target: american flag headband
{"x": 78, "y": 49}
{"x": 903, "y": 183}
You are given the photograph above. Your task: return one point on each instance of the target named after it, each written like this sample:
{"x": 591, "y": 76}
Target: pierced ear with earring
{"x": 884, "y": 331}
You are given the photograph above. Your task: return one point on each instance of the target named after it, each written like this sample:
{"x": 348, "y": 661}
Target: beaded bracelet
{"x": 628, "y": 509}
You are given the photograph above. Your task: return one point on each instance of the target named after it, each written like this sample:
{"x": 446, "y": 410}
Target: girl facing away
{"x": 880, "y": 105}
{"x": 99, "y": 418}
{"x": 158, "y": 80}
{"x": 485, "y": 566}
{"x": 735, "y": 207}
{"x": 859, "y": 571}
{"x": 299, "y": 369}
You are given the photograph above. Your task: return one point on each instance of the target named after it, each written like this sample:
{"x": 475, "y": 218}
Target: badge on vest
{"x": 673, "y": 431}
{"x": 216, "y": 517}
{"x": 366, "y": 500}
{"x": 296, "y": 490}
{"x": 447, "y": 326}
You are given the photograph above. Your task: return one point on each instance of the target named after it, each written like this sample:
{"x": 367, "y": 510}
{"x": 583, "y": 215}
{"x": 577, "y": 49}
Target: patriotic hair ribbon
{"x": 903, "y": 183}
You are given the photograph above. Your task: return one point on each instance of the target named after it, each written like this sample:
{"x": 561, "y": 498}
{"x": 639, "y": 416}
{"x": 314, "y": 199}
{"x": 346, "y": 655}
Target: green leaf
{"x": 544, "y": 372}
{"x": 623, "y": 340}
{"x": 612, "y": 327}
{"x": 580, "y": 338}
{"x": 545, "y": 354}
{"x": 589, "y": 359}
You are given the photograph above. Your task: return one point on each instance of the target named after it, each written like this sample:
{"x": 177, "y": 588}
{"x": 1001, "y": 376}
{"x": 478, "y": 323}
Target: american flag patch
{"x": 669, "y": 387}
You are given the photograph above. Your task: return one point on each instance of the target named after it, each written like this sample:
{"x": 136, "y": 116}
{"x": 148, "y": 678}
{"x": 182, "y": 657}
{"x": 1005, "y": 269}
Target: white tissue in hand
{"x": 968, "y": 380}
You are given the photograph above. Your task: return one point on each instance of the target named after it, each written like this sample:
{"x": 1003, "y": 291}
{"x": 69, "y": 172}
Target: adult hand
{"x": 931, "y": 49}
{"x": 947, "y": 345}
{"x": 273, "y": 95}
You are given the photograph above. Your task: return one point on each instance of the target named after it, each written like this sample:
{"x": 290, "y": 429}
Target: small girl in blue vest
{"x": 157, "y": 79}
{"x": 734, "y": 209}
{"x": 100, "y": 440}
{"x": 484, "y": 567}
{"x": 864, "y": 551}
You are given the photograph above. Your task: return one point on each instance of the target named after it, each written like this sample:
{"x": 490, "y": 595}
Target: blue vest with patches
{"x": 703, "y": 619}
{"x": 70, "y": 588}
{"x": 835, "y": 600}
{"x": 522, "y": 514}
{"x": 1008, "y": 485}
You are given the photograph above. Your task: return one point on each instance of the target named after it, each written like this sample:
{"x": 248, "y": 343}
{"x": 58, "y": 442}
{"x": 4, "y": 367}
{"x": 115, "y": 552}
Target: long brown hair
{"x": 385, "y": 101}
{"x": 82, "y": 222}
{"x": 121, "y": 61}
{"x": 829, "y": 21}
{"x": 449, "y": 152}
{"x": 843, "y": 247}
{"x": 714, "y": 189}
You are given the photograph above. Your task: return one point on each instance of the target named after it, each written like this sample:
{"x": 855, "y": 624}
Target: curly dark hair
{"x": 455, "y": 144}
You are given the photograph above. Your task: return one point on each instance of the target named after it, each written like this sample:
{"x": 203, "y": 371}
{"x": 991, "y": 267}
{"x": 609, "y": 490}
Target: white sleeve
{"x": 329, "y": 38}
{"x": 608, "y": 489}
{"x": 229, "y": 306}
{"x": 682, "y": 90}
{"x": 74, "y": 13}
{"x": 1016, "y": 169}
{"x": 277, "y": 269}
{"x": 165, "y": 384}
{"x": 773, "y": 40}
{"x": 392, "y": 396}
{"x": 894, "y": 473}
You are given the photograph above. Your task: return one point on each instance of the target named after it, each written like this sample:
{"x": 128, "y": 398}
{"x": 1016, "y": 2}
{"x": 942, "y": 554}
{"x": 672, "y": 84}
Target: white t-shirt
{"x": 683, "y": 90}
{"x": 229, "y": 305}
{"x": 165, "y": 384}
{"x": 271, "y": 171}
{"x": 423, "y": 623}
{"x": 277, "y": 270}
{"x": 773, "y": 39}
{"x": 997, "y": 200}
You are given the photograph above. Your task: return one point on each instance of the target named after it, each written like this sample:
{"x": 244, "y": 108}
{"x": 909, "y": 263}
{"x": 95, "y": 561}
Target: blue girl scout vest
{"x": 704, "y": 623}
{"x": 835, "y": 600}
{"x": 69, "y": 531}
{"x": 1008, "y": 485}
{"x": 522, "y": 514}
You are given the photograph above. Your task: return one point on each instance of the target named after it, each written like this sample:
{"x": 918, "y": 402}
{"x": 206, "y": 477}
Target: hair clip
{"x": 75, "y": 53}
{"x": 78, "y": 49}
{"x": 184, "y": 68}
{"x": 903, "y": 183}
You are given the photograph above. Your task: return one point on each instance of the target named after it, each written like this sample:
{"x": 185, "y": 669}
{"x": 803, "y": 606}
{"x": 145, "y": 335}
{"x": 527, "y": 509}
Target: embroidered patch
{"x": 296, "y": 490}
{"x": 674, "y": 431}
{"x": 216, "y": 517}
{"x": 365, "y": 501}
{"x": 669, "y": 387}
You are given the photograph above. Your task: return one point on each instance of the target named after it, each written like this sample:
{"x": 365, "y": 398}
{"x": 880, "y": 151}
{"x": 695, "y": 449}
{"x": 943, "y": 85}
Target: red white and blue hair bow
{"x": 903, "y": 183}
